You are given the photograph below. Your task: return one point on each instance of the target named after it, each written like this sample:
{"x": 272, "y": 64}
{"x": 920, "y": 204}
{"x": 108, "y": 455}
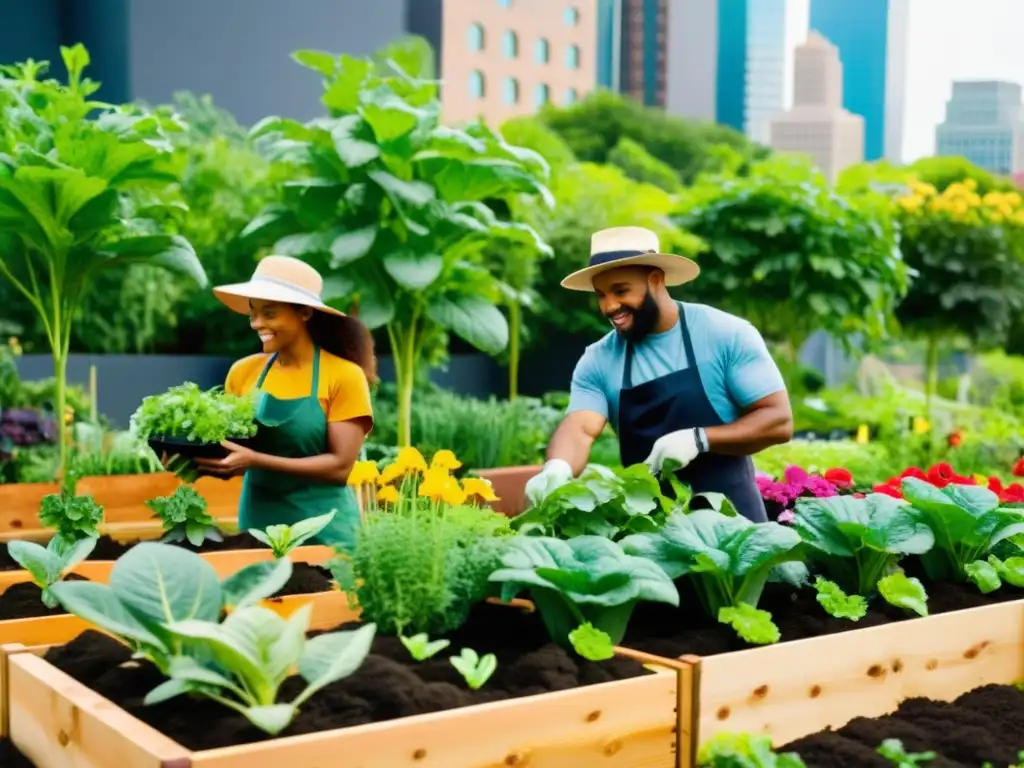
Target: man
{"x": 678, "y": 381}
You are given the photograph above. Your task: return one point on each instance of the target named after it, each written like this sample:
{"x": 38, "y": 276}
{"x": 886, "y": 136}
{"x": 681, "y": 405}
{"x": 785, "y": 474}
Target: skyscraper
{"x": 984, "y": 124}
{"x": 872, "y": 38}
{"x": 644, "y": 50}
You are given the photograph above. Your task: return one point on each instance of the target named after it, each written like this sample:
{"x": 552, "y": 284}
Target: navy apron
{"x": 674, "y": 402}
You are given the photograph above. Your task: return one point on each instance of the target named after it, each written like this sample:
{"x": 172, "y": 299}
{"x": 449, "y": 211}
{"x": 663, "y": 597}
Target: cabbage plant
{"x": 47, "y": 565}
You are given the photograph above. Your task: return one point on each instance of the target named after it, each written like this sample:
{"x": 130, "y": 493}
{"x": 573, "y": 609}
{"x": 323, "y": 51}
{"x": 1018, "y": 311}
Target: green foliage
{"x": 744, "y": 750}
{"x": 639, "y": 165}
{"x": 74, "y": 517}
{"x": 587, "y": 579}
{"x": 47, "y": 565}
{"x": 905, "y": 592}
{"x": 893, "y": 751}
{"x": 475, "y": 669}
{"x": 190, "y": 413}
{"x": 184, "y": 517}
{"x": 942, "y": 172}
{"x": 421, "y": 647}
{"x": 282, "y": 539}
{"x": 530, "y": 132}
{"x": 783, "y": 233}
{"x": 837, "y": 603}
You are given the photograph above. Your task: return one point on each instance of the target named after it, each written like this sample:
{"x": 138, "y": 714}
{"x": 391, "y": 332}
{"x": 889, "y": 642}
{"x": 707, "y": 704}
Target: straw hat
{"x": 629, "y": 246}
{"x": 277, "y": 278}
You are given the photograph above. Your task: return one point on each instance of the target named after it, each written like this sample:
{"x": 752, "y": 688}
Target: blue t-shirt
{"x": 735, "y": 366}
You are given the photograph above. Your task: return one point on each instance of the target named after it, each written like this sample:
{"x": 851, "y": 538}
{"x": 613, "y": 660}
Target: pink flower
{"x": 786, "y": 517}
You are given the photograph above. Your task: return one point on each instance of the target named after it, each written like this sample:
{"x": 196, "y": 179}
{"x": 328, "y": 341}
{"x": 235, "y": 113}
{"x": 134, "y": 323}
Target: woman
{"x": 313, "y": 408}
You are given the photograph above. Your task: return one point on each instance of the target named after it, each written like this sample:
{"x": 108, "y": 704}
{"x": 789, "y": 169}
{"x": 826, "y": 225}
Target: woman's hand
{"x": 238, "y": 460}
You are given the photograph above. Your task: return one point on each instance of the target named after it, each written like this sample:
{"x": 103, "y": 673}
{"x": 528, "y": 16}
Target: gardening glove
{"x": 554, "y": 474}
{"x": 682, "y": 446}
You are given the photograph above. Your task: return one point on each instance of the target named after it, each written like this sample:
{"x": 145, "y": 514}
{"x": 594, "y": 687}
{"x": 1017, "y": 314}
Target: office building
{"x": 871, "y": 36}
{"x": 643, "y": 46}
{"x": 984, "y": 124}
{"x": 818, "y": 125}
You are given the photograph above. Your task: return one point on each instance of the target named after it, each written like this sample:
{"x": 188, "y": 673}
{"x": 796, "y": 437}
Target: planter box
{"x": 509, "y": 486}
{"x": 59, "y": 723}
{"x": 800, "y": 687}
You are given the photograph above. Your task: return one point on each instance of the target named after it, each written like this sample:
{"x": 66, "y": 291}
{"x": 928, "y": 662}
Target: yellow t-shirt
{"x": 344, "y": 392}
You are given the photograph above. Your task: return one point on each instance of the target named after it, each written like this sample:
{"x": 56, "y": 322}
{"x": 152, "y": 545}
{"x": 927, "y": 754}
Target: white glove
{"x": 681, "y": 446}
{"x": 554, "y": 474}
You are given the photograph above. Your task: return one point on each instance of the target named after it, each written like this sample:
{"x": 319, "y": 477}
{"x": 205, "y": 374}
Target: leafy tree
{"x": 791, "y": 255}
{"x": 72, "y": 203}
{"x": 639, "y": 165}
{"x": 391, "y": 205}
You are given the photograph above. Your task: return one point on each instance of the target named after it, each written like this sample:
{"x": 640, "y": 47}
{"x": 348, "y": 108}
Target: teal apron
{"x": 294, "y": 428}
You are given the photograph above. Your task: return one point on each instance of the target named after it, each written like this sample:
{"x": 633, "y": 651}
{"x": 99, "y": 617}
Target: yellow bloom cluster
{"x": 960, "y": 201}
{"x": 409, "y": 476}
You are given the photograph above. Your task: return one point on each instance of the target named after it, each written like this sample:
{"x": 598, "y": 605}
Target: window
{"x": 542, "y": 51}
{"x": 511, "y": 90}
{"x": 476, "y": 84}
{"x": 571, "y": 16}
{"x": 510, "y": 44}
{"x": 572, "y": 57}
{"x": 542, "y": 95}
{"x": 476, "y": 37}
{"x": 570, "y": 96}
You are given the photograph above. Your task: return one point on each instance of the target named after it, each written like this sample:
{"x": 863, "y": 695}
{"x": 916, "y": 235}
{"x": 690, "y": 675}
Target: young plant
{"x": 904, "y": 592}
{"x": 421, "y": 647}
{"x": 730, "y": 560}
{"x": 894, "y": 751}
{"x": 857, "y": 541}
{"x": 988, "y": 575}
{"x": 587, "y": 579}
{"x": 183, "y": 516}
{"x": 74, "y": 517}
{"x": 282, "y": 539}
{"x": 744, "y": 750}
{"x": 967, "y": 521}
{"x": 47, "y": 565}
{"x": 837, "y": 603}
{"x": 186, "y": 412}
{"x": 475, "y": 670}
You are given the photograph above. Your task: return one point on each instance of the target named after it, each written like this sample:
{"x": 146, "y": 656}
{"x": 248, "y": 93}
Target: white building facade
{"x": 984, "y": 124}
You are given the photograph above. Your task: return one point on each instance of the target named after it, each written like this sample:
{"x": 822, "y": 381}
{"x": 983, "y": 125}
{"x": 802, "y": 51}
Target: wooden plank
{"x": 797, "y": 688}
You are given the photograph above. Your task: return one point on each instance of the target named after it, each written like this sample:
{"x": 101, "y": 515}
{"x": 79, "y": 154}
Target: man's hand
{"x": 681, "y": 446}
{"x": 555, "y": 474}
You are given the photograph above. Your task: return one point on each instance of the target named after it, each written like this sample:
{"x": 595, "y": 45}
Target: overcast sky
{"x": 947, "y": 40}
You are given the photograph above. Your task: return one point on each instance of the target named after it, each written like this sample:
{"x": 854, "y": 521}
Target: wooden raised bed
{"x": 801, "y": 687}
{"x": 636, "y": 723}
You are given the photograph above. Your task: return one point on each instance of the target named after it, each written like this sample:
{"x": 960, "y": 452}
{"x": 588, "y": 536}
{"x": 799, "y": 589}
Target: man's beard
{"x": 645, "y": 318}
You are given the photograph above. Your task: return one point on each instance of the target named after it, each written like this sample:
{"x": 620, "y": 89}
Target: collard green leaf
{"x": 842, "y": 525}
{"x": 412, "y": 269}
{"x": 352, "y": 245}
{"x": 98, "y": 604}
{"x": 353, "y": 151}
{"x": 471, "y": 318}
{"x": 255, "y": 582}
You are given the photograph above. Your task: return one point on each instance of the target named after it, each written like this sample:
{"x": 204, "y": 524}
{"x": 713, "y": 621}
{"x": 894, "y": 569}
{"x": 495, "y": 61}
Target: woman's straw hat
{"x": 627, "y": 246}
{"x": 277, "y": 278}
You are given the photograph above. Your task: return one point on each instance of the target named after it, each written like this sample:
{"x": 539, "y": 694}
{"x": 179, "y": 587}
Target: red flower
{"x": 913, "y": 472}
{"x": 859, "y": 495}
{"x": 1014, "y": 494}
{"x": 839, "y": 477}
{"x": 954, "y": 439}
{"x": 888, "y": 490}
{"x": 995, "y": 485}
{"x": 1018, "y": 468}
{"x": 941, "y": 475}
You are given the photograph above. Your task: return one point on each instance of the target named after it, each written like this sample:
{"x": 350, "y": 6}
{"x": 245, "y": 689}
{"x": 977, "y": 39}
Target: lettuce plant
{"x": 282, "y": 539}
{"x": 744, "y": 750}
{"x": 187, "y": 412}
{"x": 588, "y": 579}
{"x": 47, "y": 565}
{"x": 904, "y": 592}
{"x": 74, "y": 517}
{"x": 857, "y": 541}
{"x": 730, "y": 560}
{"x": 168, "y": 605}
{"x": 967, "y": 521}
{"x": 989, "y": 574}
{"x": 183, "y": 516}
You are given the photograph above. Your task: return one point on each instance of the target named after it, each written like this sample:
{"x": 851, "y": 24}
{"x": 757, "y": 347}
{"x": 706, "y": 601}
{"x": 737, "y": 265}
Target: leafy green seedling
{"x": 74, "y": 517}
{"x": 421, "y": 647}
{"x": 474, "y": 669}
{"x": 751, "y": 624}
{"x": 837, "y": 603}
{"x": 893, "y": 751}
{"x": 47, "y": 565}
{"x": 183, "y": 516}
{"x": 591, "y": 643}
{"x": 744, "y": 750}
{"x": 282, "y": 539}
{"x": 189, "y": 413}
{"x": 904, "y": 592}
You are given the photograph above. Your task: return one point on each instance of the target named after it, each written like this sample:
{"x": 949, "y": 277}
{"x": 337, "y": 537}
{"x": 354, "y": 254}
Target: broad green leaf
{"x": 98, "y": 604}
{"x": 905, "y": 592}
{"x": 403, "y": 193}
{"x": 843, "y": 525}
{"x": 390, "y": 116}
{"x": 352, "y": 245}
{"x": 353, "y": 151}
{"x": 334, "y": 656}
{"x": 324, "y": 63}
{"x": 342, "y": 95}
{"x": 984, "y": 576}
{"x": 43, "y": 565}
{"x": 412, "y": 269}
{"x": 166, "y": 584}
{"x": 273, "y": 718}
{"x": 309, "y": 527}
{"x": 255, "y": 582}
{"x": 171, "y": 252}
{"x": 473, "y": 319}
{"x": 1010, "y": 570}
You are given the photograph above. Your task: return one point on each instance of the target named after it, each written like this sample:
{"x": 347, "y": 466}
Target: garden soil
{"x": 983, "y": 725}
{"x": 389, "y": 684}
{"x": 25, "y": 601}
{"x": 10, "y": 757}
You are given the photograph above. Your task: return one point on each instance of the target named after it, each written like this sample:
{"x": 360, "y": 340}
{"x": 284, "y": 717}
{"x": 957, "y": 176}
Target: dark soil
{"x": 306, "y": 579}
{"x": 666, "y": 631}
{"x": 10, "y": 757}
{"x": 389, "y": 684}
{"x": 986, "y": 724}
{"x": 24, "y": 601}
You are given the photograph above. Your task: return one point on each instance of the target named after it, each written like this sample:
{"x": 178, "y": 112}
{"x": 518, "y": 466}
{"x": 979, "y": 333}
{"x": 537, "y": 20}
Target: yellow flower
{"x": 921, "y": 426}
{"x": 453, "y": 493}
{"x": 388, "y": 495}
{"x": 981, "y": 480}
{"x": 862, "y": 434}
{"x": 476, "y": 486}
{"x": 445, "y": 459}
{"x": 435, "y": 481}
{"x": 411, "y": 460}
{"x": 391, "y": 473}
{"x": 363, "y": 473}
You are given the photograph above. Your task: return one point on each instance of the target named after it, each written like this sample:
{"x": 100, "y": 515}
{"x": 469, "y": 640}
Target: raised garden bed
{"x": 75, "y": 705}
{"x": 983, "y": 725}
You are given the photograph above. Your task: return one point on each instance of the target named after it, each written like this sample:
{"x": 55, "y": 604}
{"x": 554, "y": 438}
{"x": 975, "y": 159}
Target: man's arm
{"x": 756, "y": 385}
{"x": 587, "y": 415}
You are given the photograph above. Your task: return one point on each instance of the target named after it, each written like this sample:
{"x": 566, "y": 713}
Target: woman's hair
{"x": 347, "y": 338}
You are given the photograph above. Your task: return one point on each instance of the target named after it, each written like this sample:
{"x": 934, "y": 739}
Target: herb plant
{"x": 601, "y": 502}
{"x": 421, "y": 647}
{"x": 967, "y": 521}
{"x": 183, "y": 516}
{"x": 730, "y": 560}
{"x": 47, "y": 565}
{"x": 587, "y": 579}
{"x": 74, "y": 517}
{"x": 282, "y": 539}
{"x": 189, "y": 413}
{"x": 475, "y": 669}
{"x": 858, "y": 541}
